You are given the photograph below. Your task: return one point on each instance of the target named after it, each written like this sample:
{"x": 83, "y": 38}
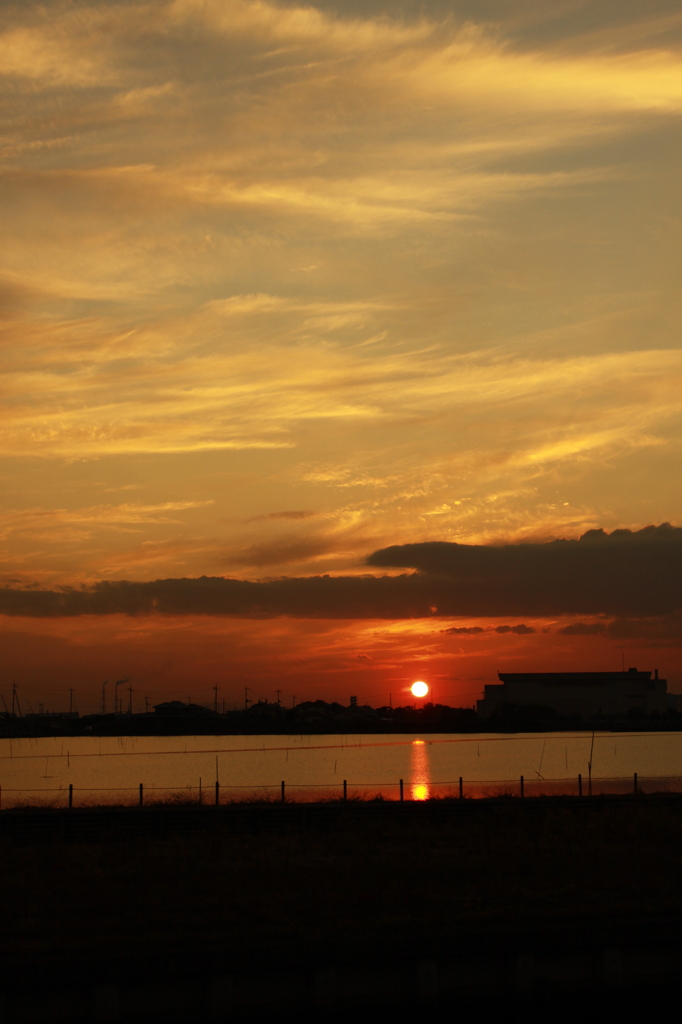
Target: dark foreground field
{"x": 255, "y": 911}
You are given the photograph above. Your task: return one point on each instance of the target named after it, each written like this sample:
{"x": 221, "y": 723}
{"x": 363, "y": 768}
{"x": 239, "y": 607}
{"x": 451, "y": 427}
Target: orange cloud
{"x": 414, "y": 272}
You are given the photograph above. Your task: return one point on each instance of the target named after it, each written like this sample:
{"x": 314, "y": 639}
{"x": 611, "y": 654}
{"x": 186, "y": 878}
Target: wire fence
{"x": 397, "y": 790}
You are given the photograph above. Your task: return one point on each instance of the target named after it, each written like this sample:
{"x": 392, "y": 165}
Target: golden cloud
{"x": 405, "y": 263}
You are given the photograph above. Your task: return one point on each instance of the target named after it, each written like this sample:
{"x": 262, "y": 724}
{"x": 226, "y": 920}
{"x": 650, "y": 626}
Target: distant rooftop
{"x": 575, "y": 677}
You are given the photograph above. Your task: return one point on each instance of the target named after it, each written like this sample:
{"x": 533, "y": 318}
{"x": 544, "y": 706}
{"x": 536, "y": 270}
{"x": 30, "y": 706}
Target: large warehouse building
{"x": 578, "y": 693}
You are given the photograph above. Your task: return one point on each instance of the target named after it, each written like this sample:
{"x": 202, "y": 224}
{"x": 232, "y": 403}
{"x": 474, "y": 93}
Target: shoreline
{"x": 331, "y": 810}
{"x": 194, "y": 728}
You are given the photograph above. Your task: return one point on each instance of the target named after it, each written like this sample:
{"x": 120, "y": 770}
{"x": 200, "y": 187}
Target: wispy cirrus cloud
{"x": 184, "y": 389}
{"x": 415, "y": 272}
{"x": 101, "y": 515}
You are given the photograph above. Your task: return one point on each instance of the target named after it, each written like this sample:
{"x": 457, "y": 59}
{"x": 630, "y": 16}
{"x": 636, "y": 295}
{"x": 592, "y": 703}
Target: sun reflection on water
{"x": 419, "y": 770}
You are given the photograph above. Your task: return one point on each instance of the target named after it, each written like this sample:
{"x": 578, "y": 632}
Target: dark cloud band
{"x": 521, "y": 630}
{"x": 620, "y": 574}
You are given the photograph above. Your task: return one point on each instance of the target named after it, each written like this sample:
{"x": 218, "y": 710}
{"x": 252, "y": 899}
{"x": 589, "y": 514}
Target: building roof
{"x": 575, "y": 678}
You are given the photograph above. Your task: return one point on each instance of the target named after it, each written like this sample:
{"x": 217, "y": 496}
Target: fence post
{"x": 402, "y": 795}
{"x": 580, "y": 785}
{"x": 345, "y": 790}
{"x": 70, "y": 794}
{"x": 141, "y": 794}
{"x": 522, "y": 786}
{"x": 217, "y": 793}
{"x": 635, "y": 783}
{"x": 284, "y": 799}
{"x": 461, "y": 788}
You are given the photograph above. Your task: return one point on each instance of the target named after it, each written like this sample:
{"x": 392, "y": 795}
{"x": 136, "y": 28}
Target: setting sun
{"x": 419, "y": 689}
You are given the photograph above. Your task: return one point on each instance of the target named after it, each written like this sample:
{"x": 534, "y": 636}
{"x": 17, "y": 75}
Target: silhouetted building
{"x": 312, "y": 711}
{"x": 178, "y": 708}
{"x": 587, "y": 694}
{"x": 262, "y": 709}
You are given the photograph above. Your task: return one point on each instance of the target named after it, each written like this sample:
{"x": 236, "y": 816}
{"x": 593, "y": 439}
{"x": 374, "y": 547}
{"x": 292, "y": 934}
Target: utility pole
{"x": 130, "y": 700}
{"x": 246, "y": 698}
{"x": 119, "y": 682}
{"x": 15, "y": 697}
{"x": 278, "y": 700}
{"x": 215, "y": 702}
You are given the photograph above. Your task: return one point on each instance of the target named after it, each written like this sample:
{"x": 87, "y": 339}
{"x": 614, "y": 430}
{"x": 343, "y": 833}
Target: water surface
{"x": 111, "y": 768}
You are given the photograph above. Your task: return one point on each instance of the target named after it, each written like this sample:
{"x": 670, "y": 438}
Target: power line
{"x": 316, "y": 746}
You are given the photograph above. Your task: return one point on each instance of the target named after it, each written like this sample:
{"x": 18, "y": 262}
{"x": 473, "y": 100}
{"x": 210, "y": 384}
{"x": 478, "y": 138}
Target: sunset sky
{"x": 285, "y": 286}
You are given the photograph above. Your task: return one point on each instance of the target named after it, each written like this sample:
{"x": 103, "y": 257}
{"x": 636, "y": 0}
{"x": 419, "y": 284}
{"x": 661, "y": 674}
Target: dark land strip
{"x": 188, "y": 913}
{"x": 319, "y": 718}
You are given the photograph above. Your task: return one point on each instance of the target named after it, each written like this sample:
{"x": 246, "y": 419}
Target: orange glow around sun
{"x": 419, "y": 689}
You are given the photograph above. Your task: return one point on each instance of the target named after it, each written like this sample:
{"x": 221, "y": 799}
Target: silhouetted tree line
{"x": 175, "y": 718}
